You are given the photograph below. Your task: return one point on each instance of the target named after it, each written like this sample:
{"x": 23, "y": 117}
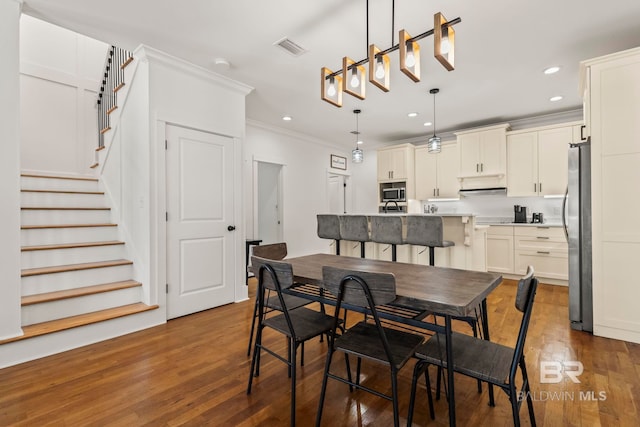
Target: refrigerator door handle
{"x": 564, "y": 215}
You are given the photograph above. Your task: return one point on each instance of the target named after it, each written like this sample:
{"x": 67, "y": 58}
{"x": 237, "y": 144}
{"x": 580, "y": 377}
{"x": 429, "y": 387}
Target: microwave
{"x": 393, "y": 195}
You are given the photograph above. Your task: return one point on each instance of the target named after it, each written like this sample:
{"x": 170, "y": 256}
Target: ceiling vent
{"x": 290, "y": 46}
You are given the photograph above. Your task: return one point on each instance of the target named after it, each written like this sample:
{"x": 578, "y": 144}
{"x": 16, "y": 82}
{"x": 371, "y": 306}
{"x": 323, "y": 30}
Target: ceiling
{"x": 502, "y": 48}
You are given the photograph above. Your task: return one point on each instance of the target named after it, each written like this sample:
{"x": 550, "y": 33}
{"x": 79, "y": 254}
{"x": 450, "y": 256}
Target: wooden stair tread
{"x": 105, "y": 130}
{"x": 71, "y": 245}
{"x": 74, "y": 267}
{"x": 39, "y": 227}
{"x": 117, "y": 88}
{"x": 95, "y": 165}
{"x": 39, "y": 329}
{"x": 64, "y": 208}
{"x": 78, "y": 292}
{"x": 128, "y": 61}
{"x": 77, "y": 178}
{"x": 102, "y": 147}
{"x": 62, "y": 191}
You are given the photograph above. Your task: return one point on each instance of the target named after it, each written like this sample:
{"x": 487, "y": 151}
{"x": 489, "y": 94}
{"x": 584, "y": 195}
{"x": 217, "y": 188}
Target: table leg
{"x": 452, "y": 403}
{"x": 485, "y": 331}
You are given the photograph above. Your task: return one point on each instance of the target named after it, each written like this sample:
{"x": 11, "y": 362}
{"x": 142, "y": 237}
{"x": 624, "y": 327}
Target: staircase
{"x": 74, "y": 268}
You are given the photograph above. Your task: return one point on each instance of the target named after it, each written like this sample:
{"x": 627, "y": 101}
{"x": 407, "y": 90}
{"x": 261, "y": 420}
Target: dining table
{"x": 420, "y": 290}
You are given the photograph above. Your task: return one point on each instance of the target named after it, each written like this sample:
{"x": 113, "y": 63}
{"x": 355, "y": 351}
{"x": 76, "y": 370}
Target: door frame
{"x": 348, "y": 193}
{"x": 158, "y": 227}
{"x": 281, "y": 206}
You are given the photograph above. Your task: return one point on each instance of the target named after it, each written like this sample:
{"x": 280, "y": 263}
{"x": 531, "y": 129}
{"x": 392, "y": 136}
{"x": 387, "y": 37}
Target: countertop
{"x": 509, "y": 222}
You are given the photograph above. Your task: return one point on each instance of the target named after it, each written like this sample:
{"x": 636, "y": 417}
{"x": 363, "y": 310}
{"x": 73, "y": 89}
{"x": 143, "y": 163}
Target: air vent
{"x": 290, "y": 46}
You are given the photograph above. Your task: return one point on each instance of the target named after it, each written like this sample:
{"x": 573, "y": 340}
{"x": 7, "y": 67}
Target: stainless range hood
{"x": 496, "y": 191}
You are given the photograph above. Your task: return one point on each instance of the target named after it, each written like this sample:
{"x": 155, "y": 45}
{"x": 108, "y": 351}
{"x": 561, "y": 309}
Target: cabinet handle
{"x": 477, "y": 167}
{"x": 438, "y": 192}
{"x": 481, "y": 167}
{"x": 542, "y": 237}
{"x": 535, "y": 187}
{"x": 434, "y": 192}
{"x": 544, "y": 252}
{"x": 540, "y": 187}
{"x": 546, "y": 228}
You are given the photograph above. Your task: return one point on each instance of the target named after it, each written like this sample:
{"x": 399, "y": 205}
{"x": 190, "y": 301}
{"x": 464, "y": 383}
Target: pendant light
{"x": 357, "y": 155}
{"x": 434, "y": 144}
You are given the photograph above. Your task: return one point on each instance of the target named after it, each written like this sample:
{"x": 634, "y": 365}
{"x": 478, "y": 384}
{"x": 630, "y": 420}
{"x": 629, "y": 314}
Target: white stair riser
{"x": 42, "y": 283}
{"x": 57, "y": 217}
{"x": 44, "y": 312}
{"x": 62, "y": 200}
{"x": 30, "y": 183}
{"x": 52, "y": 236}
{"x": 51, "y": 257}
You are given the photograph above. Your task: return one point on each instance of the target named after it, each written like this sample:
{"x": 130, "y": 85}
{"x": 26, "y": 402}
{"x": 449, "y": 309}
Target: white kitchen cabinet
{"x": 537, "y": 161}
{"x": 437, "y": 173}
{"x": 483, "y": 157}
{"x": 545, "y": 248}
{"x": 383, "y": 251}
{"x": 396, "y": 163}
{"x": 611, "y": 85}
{"x": 500, "y": 254}
{"x": 420, "y": 255}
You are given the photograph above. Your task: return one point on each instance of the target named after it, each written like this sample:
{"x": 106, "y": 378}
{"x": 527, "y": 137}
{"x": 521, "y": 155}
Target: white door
{"x": 269, "y": 218}
{"x": 200, "y": 248}
{"x": 337, "y": 194}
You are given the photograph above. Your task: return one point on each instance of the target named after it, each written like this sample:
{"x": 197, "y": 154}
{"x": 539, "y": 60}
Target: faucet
{"x": 391, "y": 201}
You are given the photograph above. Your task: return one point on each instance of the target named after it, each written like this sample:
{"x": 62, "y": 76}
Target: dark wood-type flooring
{"x": 193, "y": 371}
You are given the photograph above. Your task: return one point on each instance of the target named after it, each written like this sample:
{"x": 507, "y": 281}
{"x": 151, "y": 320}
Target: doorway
{"x": 338, "y": 192}
{"x": 268, "y": 202}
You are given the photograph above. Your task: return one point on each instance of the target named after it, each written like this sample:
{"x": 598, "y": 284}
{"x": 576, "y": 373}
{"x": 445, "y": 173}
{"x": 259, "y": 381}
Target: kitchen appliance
{"x": 496, "y": 191}
{"x": 520, "y": 214}
{"x": 537, "y": 218}
{"x": 393, "y": 194}
{"x": 576, "y": 220}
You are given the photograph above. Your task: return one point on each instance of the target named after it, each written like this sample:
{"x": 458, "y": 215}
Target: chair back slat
{"x": 527, "y": 288}
{"x": 274, "y": 251}
{"x": 282, "y": 270}
{"x": 381, "y": 285}
{"x": 524, "y": 287}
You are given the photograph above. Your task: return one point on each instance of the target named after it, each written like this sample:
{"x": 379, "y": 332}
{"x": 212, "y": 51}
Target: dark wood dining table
{"x": 449, "y": 292}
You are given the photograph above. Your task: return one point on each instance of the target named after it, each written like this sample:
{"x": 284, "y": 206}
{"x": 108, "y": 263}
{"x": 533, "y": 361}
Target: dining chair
{"x": 297, "y": 325}
{"x": 363, "y": 291}
{"x": 275, "y": 251}
{"x": 484, "y": 360}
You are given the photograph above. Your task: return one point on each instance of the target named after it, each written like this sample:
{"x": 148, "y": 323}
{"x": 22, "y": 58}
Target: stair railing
{"x": 112, "y": 81}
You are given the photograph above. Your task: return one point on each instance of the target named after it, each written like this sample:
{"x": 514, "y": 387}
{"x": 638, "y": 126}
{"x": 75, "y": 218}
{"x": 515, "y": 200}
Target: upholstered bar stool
{"x": 356, "y": 229}
{"x": 329, "y": 228}
{"x": 426, "y": 230}
{"x": 387, "y": 230}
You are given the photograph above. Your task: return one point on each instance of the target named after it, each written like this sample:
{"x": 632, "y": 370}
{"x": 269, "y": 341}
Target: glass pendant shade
{"x": 434, "y": 145}
{"x": 357, "y": 155}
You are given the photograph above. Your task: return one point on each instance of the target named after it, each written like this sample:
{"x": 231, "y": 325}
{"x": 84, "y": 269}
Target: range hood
{"x": 495, "y": 191}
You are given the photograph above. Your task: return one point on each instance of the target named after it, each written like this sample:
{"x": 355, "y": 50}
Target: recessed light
{"x": 414, "y": 114}
{"x": 287, "y": 118}
{"x": 428, "y": 124}
{"x": 555, "y": 98}
{"x": 552, "y": 70}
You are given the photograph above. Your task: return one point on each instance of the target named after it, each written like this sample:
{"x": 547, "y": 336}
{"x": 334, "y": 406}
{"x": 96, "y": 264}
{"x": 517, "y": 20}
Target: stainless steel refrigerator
{"x": 576, "y": 219}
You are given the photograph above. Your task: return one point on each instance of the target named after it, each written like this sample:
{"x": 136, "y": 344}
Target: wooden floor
{"x": 194, "y": 371}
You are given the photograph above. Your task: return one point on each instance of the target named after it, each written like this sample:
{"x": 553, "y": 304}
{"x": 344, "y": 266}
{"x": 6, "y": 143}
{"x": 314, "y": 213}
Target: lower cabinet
{"x": 383, "y": 251}
{"x": 510, "y": 249}
{"x": 500, "y": 249}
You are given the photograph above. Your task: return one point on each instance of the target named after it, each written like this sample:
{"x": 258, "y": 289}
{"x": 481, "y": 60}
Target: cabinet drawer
{"x": 500, "y": 230}
{"x": 541, "y": 243}
{"x": 551, "y": 265}
{"x": 542, "y": 231}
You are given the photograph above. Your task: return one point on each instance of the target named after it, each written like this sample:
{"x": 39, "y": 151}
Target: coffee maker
{"x": 520, "y": 214}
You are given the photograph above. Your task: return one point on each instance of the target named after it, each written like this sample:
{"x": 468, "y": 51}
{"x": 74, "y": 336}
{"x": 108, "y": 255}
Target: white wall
{"x": 59, "y": 78}
{"x": 10, "y": 170}
{"x": 305, "y": 164}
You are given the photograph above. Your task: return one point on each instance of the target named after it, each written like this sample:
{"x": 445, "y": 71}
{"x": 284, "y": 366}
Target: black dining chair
{"x": 297, "y": 325}
{"x": 275, "y": 251}
{"x": 364, "y": 291}
{"x": 484, "y": 360}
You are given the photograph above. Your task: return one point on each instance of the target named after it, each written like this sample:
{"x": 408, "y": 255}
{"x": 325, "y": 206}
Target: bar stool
{"x": 329, "y": 228}
{"x": 356, "y": 229}
{"x": 426, "y": 230}
{"x": 388, "y": 230}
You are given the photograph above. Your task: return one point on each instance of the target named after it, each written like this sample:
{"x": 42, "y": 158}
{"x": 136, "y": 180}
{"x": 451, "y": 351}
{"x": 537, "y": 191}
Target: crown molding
{"x": 149, "y": 54}
{"x": 293, "y": 134}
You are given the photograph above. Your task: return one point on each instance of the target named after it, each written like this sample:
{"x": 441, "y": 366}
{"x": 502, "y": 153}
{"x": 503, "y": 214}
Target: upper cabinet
{"x": 483, "y": 157}
{"x": 537, "y": 160}
{"x": 437, "y": 174}
{"x": 396, "y": 163}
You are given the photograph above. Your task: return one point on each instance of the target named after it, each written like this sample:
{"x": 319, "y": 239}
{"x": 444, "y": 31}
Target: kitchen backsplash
{"x": 501, "y": 206}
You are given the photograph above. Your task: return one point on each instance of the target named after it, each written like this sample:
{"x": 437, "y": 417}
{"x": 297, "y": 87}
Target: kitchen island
{"x": 468, "y": 252}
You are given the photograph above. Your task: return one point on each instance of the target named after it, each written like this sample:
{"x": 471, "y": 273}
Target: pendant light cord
{"x": 434, "y": 114}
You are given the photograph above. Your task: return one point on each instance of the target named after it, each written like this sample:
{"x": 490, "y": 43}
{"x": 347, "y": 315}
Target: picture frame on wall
{"x": 338, "y": 162}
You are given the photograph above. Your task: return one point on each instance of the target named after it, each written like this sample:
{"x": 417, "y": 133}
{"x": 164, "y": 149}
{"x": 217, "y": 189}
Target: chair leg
{"x": 293, "y": 358}
{"x": 527, "y": 390}
{"x": 358, "y": 366}
{"x": 255, "y": 360}
{"x": 418, "y": 369}
{"x": 253, "y": 326}
{"x": 427, "y": 381}
{"x": 394, "y": 395}
{"x": 302, "y": 352}
{"x": 515, "y": 408}
{"x": 432, "y": 255}
{"x": 348, "y": 365}
{"x": 325, "y": 377}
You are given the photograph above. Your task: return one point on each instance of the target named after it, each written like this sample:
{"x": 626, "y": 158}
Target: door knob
{"x": 231, "y": 228}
